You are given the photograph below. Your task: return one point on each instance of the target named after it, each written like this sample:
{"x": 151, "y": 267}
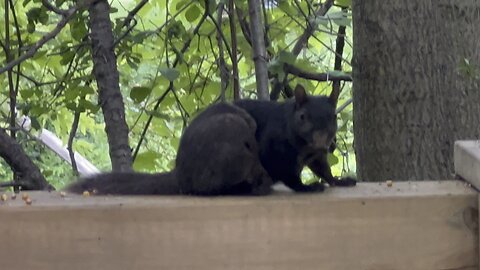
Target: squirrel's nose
{"x": 320, "y": 140}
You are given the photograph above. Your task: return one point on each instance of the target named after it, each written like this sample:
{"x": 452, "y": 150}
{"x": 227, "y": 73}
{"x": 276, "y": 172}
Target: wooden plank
{"x": 411, "y": 225}
{"x": 467, "y": 161}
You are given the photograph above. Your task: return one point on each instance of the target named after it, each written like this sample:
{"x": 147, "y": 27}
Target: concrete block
{"x": 467, "y": 161}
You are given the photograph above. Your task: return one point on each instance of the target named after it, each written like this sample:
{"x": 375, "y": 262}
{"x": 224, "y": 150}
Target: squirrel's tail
{"x": 127, "y": 183}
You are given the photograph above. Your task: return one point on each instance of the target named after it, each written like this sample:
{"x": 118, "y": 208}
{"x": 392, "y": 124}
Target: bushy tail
{"x": 127, "y": 183}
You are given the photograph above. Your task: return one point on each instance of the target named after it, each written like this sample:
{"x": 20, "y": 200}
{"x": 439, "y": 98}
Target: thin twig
{"x": 344, "y": 105}
{"x": 73, "y": 131}
{"x": 20, "y": 43}
{"x": 133, "y": 12}
{"x": 219, "y": 31}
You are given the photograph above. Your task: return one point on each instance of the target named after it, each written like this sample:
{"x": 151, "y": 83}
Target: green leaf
{"x": 27, "y": 93}
{"x": 71, "y": 106}
{"x": 286, "y": 7}
{"x": 71, "y": 94}
{"x": 286, "y": 57}
{"x": 30, "y": 27}
{"x": 35, "y": 124}
{"x": 192, "y": 13}
{"x": 38, "y": 110}
{"x": 146, "y": 161}
{"x": 175, "y": 141}
{"x": 33, "y": 15}
{"x": 85, "y": 90}
{"x": 47, "y": 173}
{"x": 170, "y": 73}
{"x": 67, "y": 57}
{"x": 43, "y": 16}
{"x": 39, "y": 54}
{"x": 85, "y": 105}
{"x": 132, "y": 64}
{"x": 332, "y": 159}
{"x": 180, "y": 4}
{"x": 139, "y": 93}
{"x": 344, "y": 3}
{"x": 78, "y": 30}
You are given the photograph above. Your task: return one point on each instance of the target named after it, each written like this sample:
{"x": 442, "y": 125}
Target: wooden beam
{"x": 410, "y": 225}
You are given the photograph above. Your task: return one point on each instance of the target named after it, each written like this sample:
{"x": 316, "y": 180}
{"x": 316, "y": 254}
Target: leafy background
{"x": 57, "y": 81}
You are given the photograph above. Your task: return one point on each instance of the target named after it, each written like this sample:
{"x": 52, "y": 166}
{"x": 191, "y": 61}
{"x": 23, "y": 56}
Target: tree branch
{"x": 107, "y": 77}
{"x": 53, "y": 8}
{"x": 233, "y": 35}
{"x": 224, "y": 72}
{"x": 133, "y": 12}
{"x": 17, "y": 159}
{"x": 244, "y": 26}
{"x": 344, "y": 105}
{"x": 259, "y": 51}
{"x": 340, "y": 43}
{"x": 321, "y": 77}
{"x": 73, "y": 131}
{"x": 220, "y": 33}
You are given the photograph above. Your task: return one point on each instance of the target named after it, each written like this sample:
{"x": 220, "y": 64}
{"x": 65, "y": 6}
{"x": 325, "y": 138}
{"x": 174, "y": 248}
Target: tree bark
{"x": 259, "y": 51}
{"x": 110, "y": 97}
{"x": 30, "y": 177}
{"x": 411, "y": 100}
{"x": 233, "y": 35}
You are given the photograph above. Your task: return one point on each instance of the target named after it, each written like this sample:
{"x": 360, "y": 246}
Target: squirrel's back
{"x": 217, "y": 155}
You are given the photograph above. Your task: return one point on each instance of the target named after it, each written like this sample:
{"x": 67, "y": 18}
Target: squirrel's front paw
{"x": 346, "y": 182}
{"x": 315, "y": 187}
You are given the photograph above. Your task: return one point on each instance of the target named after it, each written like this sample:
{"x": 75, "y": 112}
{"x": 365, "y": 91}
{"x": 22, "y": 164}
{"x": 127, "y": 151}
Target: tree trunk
{"x": 411, "y": 98}
{"x": 110, "y": 98}
{"x": 258, "y": 46}
{"x": 30, "y": 177}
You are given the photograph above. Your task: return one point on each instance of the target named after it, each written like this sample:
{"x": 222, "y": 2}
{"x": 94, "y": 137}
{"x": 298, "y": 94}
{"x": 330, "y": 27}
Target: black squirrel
{"x": 241, "y": 149}
{"x": 217, "y": 155}
{"x": 296, "y": 133}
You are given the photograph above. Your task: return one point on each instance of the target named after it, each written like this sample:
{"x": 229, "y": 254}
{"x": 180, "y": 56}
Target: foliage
{"x": 159, "y": 57}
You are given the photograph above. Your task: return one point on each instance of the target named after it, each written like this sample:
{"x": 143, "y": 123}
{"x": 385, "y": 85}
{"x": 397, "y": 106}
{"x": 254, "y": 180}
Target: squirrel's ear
{"x": 300, "y": 95}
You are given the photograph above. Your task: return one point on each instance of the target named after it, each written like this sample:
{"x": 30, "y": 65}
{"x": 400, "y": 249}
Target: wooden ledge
{"x": 411, "y": 225}
{"x": 53, "y": 200}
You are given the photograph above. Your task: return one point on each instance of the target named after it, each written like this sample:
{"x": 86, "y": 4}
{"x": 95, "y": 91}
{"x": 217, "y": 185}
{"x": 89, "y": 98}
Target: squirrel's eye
{"x": 302, "y": 116}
